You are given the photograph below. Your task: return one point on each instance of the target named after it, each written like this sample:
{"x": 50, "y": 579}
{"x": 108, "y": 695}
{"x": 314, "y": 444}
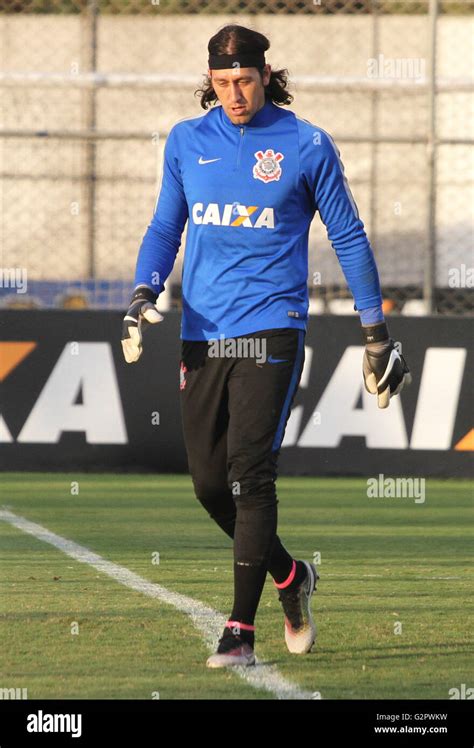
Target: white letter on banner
{"x": 100, "y": 414}
{"x": 383, "y": 428}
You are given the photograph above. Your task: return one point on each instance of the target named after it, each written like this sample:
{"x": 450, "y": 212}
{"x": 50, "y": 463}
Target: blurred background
{"x": 89, "y": 90}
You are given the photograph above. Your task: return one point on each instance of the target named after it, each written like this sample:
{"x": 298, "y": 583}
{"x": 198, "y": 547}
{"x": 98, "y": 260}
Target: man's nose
{"x": 236, "y": 93}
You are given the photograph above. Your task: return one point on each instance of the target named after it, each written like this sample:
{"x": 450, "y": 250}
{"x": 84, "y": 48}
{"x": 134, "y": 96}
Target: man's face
{"x": 240, "y": 91}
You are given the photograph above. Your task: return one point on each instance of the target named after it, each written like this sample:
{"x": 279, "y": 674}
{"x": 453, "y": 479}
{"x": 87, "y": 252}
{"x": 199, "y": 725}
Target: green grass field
{"x": 383, "y": 561}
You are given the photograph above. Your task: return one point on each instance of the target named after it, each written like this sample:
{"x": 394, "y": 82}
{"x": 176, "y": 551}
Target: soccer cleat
{"x": 231, "y": 651}
{"x": 300, "y": 629}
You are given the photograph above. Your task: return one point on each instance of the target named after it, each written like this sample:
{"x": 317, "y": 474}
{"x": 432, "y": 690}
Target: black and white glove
{"x": 384, "y": 369}
{"x": 141, "y": 312}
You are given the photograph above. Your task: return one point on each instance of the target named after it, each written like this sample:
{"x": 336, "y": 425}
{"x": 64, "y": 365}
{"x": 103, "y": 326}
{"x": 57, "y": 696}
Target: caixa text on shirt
{"x": 41, "y": 722}
{"x": 234, "y": 214}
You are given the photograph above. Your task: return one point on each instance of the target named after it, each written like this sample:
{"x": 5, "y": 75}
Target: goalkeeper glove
{"x": 384, "y": 369}
{"x": 141, "y": 312}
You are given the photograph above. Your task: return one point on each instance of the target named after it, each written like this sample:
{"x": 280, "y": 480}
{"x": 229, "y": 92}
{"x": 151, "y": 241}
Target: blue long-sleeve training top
{"x": 249, "y": 193}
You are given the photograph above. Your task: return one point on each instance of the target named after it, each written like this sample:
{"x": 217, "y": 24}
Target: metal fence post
{"x": 90, "y": 21}
{"x": 429, "y": 284}
{"x": 374, "y": 117}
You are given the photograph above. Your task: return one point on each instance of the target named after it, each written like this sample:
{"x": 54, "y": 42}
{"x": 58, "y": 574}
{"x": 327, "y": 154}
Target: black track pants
{"x": 235, "y": 407}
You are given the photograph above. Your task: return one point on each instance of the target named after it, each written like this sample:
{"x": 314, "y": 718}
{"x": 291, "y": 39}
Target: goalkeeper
{"x": 248, "y": 176}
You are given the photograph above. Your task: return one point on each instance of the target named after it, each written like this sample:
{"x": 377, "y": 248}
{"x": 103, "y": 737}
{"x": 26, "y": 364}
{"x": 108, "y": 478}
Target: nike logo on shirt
{"x": 207, "y": 161}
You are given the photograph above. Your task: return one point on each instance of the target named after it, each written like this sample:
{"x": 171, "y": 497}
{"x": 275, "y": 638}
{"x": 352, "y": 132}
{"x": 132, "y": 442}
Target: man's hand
{"x": 141, "y": 312}
{"x": 384, "y": 368}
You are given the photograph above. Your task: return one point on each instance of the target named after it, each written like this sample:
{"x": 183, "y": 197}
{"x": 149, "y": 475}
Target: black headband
{"x": 237, "y": 60}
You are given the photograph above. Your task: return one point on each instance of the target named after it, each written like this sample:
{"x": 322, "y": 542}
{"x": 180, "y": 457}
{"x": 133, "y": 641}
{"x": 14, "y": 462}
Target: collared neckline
{"x": 263, "y": 118}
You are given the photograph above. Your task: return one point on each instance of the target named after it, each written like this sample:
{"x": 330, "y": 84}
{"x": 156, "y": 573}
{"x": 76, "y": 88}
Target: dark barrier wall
{"x": 70, "y": 402}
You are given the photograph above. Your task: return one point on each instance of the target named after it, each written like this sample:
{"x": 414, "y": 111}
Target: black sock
{"x": 248, "y": 586}
{"x": 300, "y": 575}
{"x": 235, "y": 630}
{"x": 255, "y": 530}
{"x": 280, "y": 563}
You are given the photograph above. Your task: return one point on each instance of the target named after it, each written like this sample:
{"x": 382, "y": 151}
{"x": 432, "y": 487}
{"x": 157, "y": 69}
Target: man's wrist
{"x": 375, "y": 333}
{"x": 373, "y": 325}
{"x": 144, "y": 292}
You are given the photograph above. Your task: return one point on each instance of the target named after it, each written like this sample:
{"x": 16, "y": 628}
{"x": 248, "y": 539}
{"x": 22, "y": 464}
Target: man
{"x": 248, "y": 177}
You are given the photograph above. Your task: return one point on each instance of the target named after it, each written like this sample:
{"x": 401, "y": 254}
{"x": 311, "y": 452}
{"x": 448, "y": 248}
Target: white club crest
{"x": 267, "y": 168}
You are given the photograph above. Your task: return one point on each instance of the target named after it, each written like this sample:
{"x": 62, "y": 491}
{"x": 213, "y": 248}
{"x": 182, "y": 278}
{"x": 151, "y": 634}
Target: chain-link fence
{"x": 90, "y": 89}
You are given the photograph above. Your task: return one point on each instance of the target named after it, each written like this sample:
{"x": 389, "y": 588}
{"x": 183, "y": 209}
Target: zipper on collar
{"x": 242, "y": 130}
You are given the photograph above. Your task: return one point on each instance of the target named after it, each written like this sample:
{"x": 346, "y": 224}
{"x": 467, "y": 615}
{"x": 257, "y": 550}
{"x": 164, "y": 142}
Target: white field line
{"x": 208, "y": 621}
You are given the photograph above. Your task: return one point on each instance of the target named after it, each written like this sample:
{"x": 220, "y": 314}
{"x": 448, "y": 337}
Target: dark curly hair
{"x": 233, "y": 39}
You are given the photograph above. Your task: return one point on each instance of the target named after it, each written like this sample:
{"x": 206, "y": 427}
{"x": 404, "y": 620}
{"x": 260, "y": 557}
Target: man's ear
{"x": 210, "y": 79}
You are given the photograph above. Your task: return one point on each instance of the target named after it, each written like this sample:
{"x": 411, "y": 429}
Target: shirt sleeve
{"x": 162, "y": 238}
{"x": 324, "y": 174}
